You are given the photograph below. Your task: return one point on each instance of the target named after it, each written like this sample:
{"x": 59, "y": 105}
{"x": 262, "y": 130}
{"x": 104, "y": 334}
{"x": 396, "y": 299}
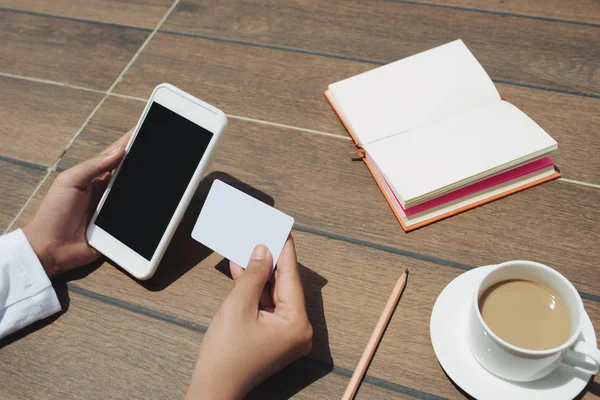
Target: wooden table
{"x": 74, "y": 75}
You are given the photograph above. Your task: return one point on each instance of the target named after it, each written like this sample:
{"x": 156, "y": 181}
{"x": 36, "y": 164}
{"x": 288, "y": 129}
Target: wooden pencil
{"x": 375, "y": 338}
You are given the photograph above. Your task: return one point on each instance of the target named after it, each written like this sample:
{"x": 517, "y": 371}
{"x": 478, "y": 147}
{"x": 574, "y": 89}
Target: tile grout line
{"x": 91, "y": 115}
{"x": 256, "y": 121}
{"x": 16, "y": 217}
{"x": 141, "y": 99}
{"x": 150, "y": 313}
{"x": 143, "y": 46}
{"x": 296, "y": 128}
{"x": 120, "y": 77}
{"x": 49, "y": 82}
{"x": 232, "y": 116}
{"x": 576, "y": 182}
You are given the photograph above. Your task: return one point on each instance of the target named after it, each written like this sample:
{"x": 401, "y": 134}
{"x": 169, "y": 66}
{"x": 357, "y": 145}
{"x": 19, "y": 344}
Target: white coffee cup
{"x": 518, "y": 364}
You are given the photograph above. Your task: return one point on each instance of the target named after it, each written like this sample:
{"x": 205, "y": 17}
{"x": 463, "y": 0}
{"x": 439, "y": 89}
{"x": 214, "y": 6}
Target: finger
{"x": 102, "y": 179}
{"x": 100, "y": 185}
{"x": 235, "y": 269}
{"x": 288, "y": 288}
{"x": 120, "y": 142}
{"x": 82, "y": 174}
{"x": 251, "y": 283}
{"x": 266, "y": 299}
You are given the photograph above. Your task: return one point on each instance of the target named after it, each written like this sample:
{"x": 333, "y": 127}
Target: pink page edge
{"x": 467, "y": 190}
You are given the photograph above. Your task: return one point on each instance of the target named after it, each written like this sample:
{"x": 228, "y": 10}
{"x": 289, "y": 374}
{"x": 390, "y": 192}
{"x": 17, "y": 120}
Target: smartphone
{"x": 150, "y": 190}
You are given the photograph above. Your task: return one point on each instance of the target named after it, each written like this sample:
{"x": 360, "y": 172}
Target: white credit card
{"x": 233, "y": 223}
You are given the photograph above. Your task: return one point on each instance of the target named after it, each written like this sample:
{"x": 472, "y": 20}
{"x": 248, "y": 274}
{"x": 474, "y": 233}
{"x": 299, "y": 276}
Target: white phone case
{"x": 202, "y": 114}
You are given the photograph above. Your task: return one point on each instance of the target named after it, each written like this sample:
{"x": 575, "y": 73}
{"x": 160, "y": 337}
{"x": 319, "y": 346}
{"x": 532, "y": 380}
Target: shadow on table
{"x": 592, "y": 387}
{"x": 184, "y": 253}
{"x": 318, "y": 363}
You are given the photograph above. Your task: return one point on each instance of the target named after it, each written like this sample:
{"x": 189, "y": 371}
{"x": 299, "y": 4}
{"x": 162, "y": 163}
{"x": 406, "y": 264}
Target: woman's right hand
{"x": 246, "y": 342}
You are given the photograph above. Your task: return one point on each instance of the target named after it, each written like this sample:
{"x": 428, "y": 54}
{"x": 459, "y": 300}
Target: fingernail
{"x": 259, "y": 253}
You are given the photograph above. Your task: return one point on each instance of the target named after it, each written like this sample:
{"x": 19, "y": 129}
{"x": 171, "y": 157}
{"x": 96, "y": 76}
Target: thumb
{"x": 83, "y": 173}
{"x": 253, "y": 280}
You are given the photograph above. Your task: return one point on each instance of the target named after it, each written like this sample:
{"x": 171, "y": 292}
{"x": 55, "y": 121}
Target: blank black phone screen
{"x": 156, "y": 171}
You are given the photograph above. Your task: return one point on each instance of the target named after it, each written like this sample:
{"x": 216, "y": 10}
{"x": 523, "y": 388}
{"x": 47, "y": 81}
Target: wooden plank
{"x": 77, "y": 53}
{"x": 337, "y": 277}
{"x": 532, "y": 51}
{"x": 140, "y": 13}
{"x": 312, "y": 178}
{"x": 256, "y": 82}
{"x": 99, "y": 351}
{"x": 59, "y": 113}
{"x": 17, "y": 183}
{"x": 577, "y": 10}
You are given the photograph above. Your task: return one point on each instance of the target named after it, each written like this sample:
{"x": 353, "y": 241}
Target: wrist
{"x": 208, "y": 384}
{"x": 42, "y": 250}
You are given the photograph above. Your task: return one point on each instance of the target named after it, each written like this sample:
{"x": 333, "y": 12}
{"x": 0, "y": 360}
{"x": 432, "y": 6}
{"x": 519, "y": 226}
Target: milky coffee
{"x": 525, "y": 314}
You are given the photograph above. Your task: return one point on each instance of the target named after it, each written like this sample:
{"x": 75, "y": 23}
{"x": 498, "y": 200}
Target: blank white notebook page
{"x": 423, "y": 160}
{"x": 413, "y": 92}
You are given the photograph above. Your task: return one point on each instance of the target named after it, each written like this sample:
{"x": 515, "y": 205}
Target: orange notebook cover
{"x": 372, "y": 170}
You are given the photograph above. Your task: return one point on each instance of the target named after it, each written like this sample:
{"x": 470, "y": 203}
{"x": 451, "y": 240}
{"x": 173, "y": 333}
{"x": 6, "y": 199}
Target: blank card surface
{"x": 233, "y": 223}
{"x": 415, "y": 91}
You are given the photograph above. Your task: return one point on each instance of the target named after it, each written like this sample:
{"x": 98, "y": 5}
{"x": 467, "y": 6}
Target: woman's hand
{"x": 246, "y": 342}
{"x": 57, "y": 232}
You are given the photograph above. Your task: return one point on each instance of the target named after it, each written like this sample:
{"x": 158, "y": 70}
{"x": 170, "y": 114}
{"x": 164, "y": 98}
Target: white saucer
{"x": 449, "y": 338}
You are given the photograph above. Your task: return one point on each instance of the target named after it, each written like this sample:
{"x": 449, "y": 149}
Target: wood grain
{"x": 139, "y": 13}
{"x": 575, "y": 10}
{"x": 99, "y": 351}
{"x": 256, "y": 82}
{"x": 76, "y": 53}
{"x": 312, "y": 178}
{"x": 17, "y": 183}
{"x": 532, "y": 51}
{"x": 59, "y": 113}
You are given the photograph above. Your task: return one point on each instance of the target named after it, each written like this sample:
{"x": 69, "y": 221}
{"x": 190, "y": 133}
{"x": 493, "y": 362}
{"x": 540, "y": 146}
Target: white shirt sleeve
{"x": 26, "y": 294}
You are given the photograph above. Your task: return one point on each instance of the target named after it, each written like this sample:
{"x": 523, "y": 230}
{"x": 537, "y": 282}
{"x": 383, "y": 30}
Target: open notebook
{"x": 437, "y": 137}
